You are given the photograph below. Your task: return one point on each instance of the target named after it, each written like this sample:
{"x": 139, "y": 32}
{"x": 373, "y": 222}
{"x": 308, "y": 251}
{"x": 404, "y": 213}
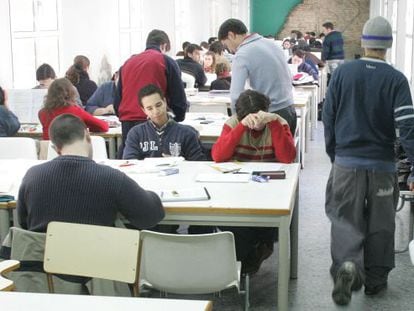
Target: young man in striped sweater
{"x": 254, "y": 134}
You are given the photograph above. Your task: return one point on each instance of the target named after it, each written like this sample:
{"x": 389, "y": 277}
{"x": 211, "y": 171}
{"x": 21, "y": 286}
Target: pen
{"x": 232, "y": 171}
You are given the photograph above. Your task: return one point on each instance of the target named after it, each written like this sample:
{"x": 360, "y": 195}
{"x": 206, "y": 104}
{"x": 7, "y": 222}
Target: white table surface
{"x": 15, "y": 301}
{"x": 272, "y": 204}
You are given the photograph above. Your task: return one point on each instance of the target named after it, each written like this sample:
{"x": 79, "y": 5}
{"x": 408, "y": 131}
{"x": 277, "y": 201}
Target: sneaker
{"x": 373, "y": 290}
{"x": 345, "y": 281}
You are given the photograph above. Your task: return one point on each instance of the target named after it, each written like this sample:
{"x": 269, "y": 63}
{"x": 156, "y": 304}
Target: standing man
{"x": 149, "y": 67}
{"x": 367, "y": 100}
{"x": 332, "y": 47}
{"x": 262, "y": 63}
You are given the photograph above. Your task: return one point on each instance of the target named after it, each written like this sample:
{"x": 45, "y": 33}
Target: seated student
{"x": 254, "y": 134}
{"x": 209, "y": 63}
{"x": 298, "y": 59}
{"x": 60, "y": 99}
{"x": 218, "y": 49}
{"x": 78, "y": 75}
{"x": 9, "y": 124}
{"x": 102, "y": 101}
{"x": 67, "y": 188}
{"x": 161, "y": 135}
{"x": 223, "y": 80}
{"x": 45, "y": 76}
{"x": 191, "y": 64}
{"x": 184, "y": 46}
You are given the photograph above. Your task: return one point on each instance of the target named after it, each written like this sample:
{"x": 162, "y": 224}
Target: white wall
{"x": 92, "y": 28}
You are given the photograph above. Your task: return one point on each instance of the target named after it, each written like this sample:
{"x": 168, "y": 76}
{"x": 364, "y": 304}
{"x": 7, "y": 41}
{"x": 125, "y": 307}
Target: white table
{"x": 15, "y": 301}
{"x": 313, "y": 90}
{"x": 272, "y": 204}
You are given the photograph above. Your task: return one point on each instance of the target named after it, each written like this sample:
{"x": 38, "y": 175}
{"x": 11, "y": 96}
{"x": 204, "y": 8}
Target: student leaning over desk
{"x": 9, "y": 124}
{"x": 254, "y": 134}
{"x": 60, "y": 100}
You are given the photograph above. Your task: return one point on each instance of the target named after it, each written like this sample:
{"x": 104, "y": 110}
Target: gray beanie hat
{"x": 377, "y": 34}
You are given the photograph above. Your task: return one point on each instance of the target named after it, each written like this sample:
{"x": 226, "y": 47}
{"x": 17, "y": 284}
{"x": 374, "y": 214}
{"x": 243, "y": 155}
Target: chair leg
{"x": 246, "y": 292}
{"x": 50, "y": 283}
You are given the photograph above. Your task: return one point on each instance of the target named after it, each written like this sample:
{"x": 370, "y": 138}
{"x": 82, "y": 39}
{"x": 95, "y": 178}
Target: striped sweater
{"x": 237, "y": 142}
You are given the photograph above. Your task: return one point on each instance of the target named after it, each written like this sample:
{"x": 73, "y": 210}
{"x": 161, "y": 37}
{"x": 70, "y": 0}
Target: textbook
{"x": 184, "y": 194}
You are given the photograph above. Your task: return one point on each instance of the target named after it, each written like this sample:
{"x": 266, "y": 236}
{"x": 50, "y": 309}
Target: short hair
{"x": 45, "y": 71}
{"x": 221, "y": 68}
{"x": 81, "y": 62}
{"x": 217, "y": 47}
{"x": 158, "y": 37}
{"x": 185, "y": 44}
{"x": 60, "y": 94}
{"x": 328, "y": 25}
{"x": 312, "y": 33}
{"x": 234, "y": 25}
{"x": 211, "y": 40}
{"x": 204, "y": 45}
{"x": 148, "y": 90}
{"x": 2, "y": 97}
{"x": 66, "y": 129}
{"x": 191, "y": 48}
{"x": 299, "y": 53}
{"x": 251, "y": 101}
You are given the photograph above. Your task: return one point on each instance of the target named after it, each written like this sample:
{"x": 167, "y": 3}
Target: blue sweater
{"x": 333, "y": 46}
{"x": 9, "y": 124}
{"x": 103, "y": 96}
{"x": 366, "y": 101}
{"x": 146, "y": 141}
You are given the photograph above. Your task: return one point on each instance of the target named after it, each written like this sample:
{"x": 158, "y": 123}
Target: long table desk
{"x": 271, "y": 204}
{"x": 14, "y": 301}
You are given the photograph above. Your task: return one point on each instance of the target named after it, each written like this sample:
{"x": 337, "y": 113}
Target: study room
{"x": 206, "y": 154}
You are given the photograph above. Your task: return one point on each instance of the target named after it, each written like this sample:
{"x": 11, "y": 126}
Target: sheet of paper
{"x": 183, "y": 194}
{"x": 26, "y": 103}
{"x": 223, "y": 178}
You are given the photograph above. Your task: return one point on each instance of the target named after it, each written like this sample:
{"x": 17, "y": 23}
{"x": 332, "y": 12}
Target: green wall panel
{"x": 268, "y": 16}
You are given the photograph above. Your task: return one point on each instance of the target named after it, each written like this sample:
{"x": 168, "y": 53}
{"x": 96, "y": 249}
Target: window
{"x": 35, "y": 38}
{"x": 130, "y": 25}
{"x": 409, "y": 40}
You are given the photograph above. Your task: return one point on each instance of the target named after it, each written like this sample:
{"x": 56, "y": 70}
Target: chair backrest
{"x": 188, "y": 264}
{"x": 92, "y": 251}
{"x": 411, "y": 247}
{"x": 18, "y": 148}
{"x": 98, "y": 146}
{"x": 7, "y": 266}
{"x": 188, "y": 79}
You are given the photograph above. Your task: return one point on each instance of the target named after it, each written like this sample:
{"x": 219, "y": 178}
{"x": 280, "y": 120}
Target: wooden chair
{"x": 5, "y": 267}
{"x": 92, "y": 251}
{"x": 190, "y": 264}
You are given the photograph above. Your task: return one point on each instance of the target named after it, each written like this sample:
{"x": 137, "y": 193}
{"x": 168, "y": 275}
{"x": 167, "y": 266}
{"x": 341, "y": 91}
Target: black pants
{"x": 289, "y": 114}
{"x": 126, "y": 126}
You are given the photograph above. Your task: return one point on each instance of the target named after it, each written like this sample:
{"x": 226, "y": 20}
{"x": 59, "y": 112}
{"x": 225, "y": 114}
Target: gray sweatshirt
{"x": 263, "y": 64}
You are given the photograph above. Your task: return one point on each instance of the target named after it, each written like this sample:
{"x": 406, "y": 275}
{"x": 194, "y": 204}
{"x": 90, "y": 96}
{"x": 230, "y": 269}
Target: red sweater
{"x": 93, "y": 124}
{"x": 240, "y": 143}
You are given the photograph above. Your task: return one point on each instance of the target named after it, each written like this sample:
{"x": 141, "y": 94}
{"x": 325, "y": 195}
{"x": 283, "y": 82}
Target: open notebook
{"x": 184, "y": 194}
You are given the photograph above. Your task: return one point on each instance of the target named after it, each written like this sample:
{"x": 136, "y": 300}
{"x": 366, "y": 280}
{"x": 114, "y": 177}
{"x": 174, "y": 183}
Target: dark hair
{"x": 191, "y": 48}
{"x": 66, "y": 129}
{"x": 216, "y": 47}
{"x": 251, "y": 102}
{"x": 2, "y": 97}
{"x": 234, "y": 25}
{"x": 80, "y": 64}
{"x": 299, "y": 53}
{"x": 45, "y": 71}
{"x": 158, "y": 37}
{"x": 61, "y": 92}
{"x": 312, "y": 33}
{"x": 211, "y": 40}
{"x": 185, "y": 44}
{"x": 204, "y": 45}
{"x": 149, "y": 90}
{"x": 328, "y": 25}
